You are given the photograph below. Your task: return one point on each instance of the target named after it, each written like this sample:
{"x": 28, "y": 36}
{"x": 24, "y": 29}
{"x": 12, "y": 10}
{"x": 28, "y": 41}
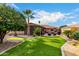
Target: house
{"x": 73, "y": 27}
{"x": 44, "y": 29}
{"x": 65, "y": 29}
{"x": 51, "y": 29}
{"x": 33, "y": 26}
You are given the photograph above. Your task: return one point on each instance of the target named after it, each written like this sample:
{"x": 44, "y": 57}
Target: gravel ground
{"x": 8, "y": 44}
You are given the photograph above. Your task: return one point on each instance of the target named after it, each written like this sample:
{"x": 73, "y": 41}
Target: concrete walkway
{"x": 70, "y": 50}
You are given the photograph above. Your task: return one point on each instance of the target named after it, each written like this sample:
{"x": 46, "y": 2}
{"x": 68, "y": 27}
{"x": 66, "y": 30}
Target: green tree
{"x": 63, "y": 26}
{"x": 18, "y": 21}
{"x": 29, "y": 14}
{"x": 9, "y": 18}
{"x": 67, "y": 33}
{"x": 76, "y": 35}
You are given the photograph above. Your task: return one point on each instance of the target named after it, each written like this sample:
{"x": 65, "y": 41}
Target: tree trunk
{"x": 2, "y": 35}
{"x": 15, "y": 34}
{"x": 28, "y": 28}
{"x": 25, "y": 30}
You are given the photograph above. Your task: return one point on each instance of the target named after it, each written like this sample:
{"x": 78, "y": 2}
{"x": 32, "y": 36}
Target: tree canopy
{"x": 10, "y": 19}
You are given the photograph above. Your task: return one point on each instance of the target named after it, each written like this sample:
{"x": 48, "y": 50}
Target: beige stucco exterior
{"x": 65, "y": 28}
{"x": 71, "y": 28}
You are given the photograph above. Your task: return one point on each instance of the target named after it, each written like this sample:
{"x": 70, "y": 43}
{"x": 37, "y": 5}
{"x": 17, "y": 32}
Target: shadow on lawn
{"x": 33, "y": 48}
{"x": 41, "y": 49}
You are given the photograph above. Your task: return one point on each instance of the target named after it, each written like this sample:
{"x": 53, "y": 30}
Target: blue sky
{"x": 54, "y": 14}
{"x": 51, "y": 7}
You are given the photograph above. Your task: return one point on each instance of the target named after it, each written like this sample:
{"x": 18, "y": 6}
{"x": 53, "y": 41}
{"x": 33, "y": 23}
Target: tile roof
{"x": 44, "y": 26}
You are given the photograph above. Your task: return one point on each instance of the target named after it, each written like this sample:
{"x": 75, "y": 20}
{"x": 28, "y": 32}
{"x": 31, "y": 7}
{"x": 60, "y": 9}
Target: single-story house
{"x": 44, "y": 29}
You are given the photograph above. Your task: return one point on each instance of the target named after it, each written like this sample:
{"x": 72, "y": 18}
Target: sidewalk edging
{"x": 62, "y": 50}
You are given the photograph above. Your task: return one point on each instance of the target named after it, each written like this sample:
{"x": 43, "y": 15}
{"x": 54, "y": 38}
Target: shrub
{"x": 76, "y": 35}
{"x": 37, "y": 31}
{"x": 67, "y": 33}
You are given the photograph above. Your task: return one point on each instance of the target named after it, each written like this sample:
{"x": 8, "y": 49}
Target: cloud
{"x": 70, "y": 16}
{"x": 73, "y": 14}
{"x": 57, "y": 16}
{"x": 72, "y": 23}
{"x": 74, "y": 11}
{"x": 46, "y": 17}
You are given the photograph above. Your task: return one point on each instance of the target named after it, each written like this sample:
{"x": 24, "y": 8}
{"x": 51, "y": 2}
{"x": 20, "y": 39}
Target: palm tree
{"x": 29, "y": 15}
{"x": 40, "y": 28}
{"x": 39, "y": 22}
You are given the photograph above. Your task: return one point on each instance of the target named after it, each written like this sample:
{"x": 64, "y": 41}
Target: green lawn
{"x": 16, "y": 38}
{"x": 39, "y": 46}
